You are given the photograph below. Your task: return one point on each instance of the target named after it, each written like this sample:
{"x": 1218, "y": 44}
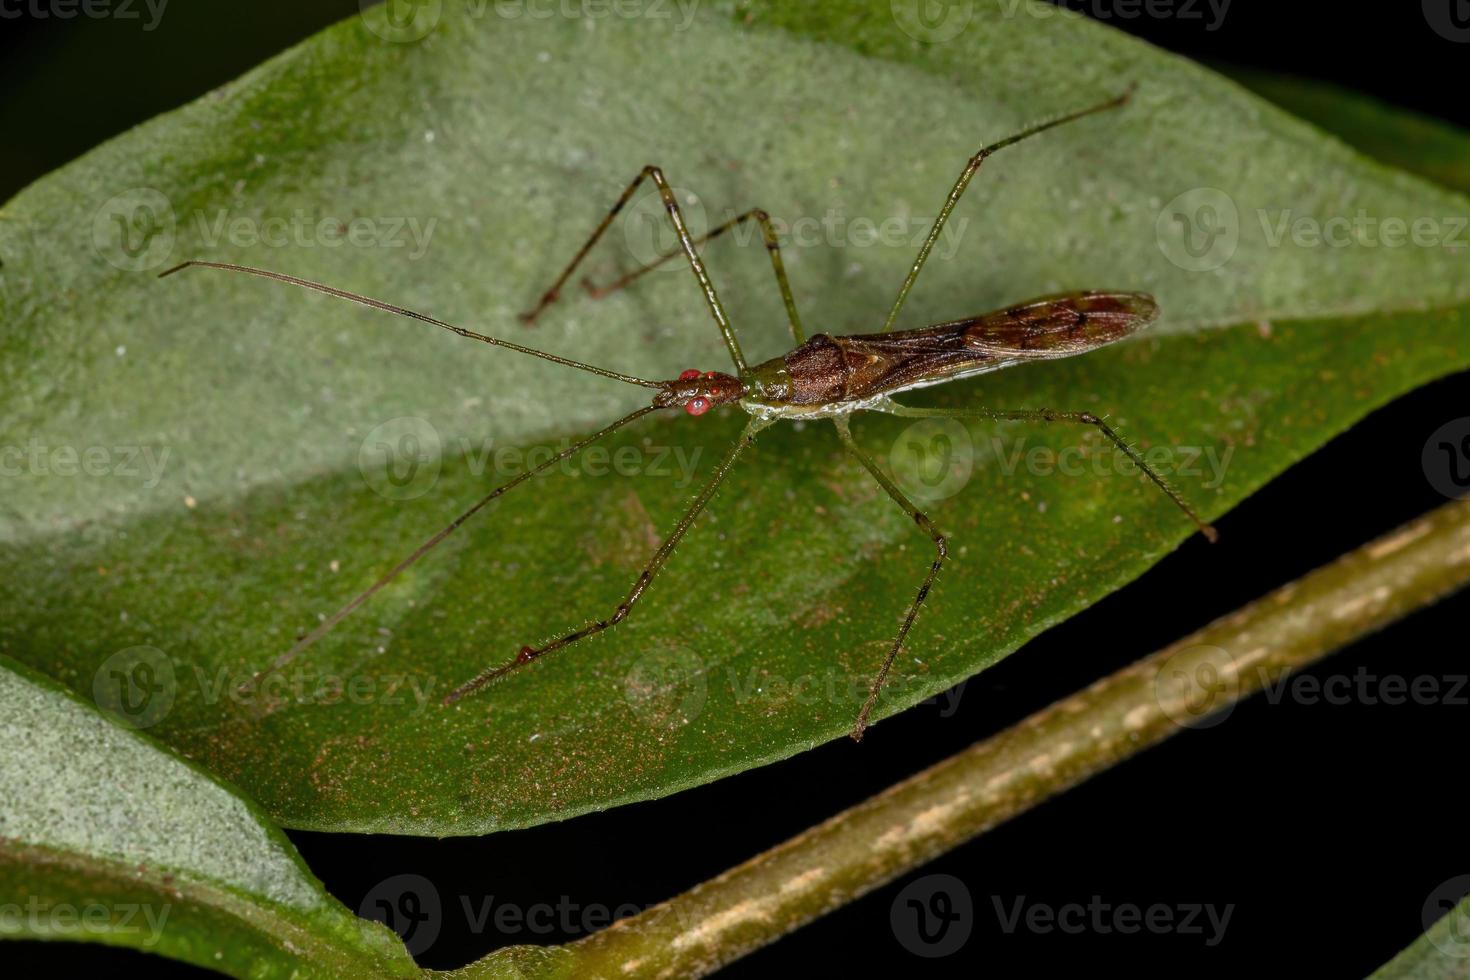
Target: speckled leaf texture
{"x": 199, "y": 469}
{"x": 106, "y": 837}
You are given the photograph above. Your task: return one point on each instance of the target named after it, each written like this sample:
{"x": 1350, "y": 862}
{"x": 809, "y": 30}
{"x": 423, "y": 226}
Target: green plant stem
{"x": 949, "y": 803}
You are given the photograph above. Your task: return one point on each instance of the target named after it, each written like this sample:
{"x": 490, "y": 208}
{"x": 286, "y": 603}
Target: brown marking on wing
{"x": 886, "y": 361}
{"x": 870, "y": 373}
{"x": 1059, "y": 326}
{"x": 827, "y": 369}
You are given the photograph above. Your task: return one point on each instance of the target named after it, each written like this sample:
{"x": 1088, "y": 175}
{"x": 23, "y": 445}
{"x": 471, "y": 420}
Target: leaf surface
{"x": 208, "y": 465}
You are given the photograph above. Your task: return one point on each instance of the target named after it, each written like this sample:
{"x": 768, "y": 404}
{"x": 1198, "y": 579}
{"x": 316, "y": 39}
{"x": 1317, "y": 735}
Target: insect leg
{"x": 326, "y": 625}
{"x": 773, "y": 248}
{"x": 655, "y": 564}
{"x": 964, "y": 181}
{"x": 1047, "y": 415}
{"x": 941, "y": 552}
{"x": 676, "y": 217}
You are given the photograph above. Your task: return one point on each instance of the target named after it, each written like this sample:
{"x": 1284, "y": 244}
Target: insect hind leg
{"x": 941, "y": 549}
{"x": 1048, "y": 415}
{"x": 527, "y": 653}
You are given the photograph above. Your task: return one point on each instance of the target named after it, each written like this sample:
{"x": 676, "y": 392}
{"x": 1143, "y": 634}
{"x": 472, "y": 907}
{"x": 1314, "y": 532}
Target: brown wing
{"x": 1058, "y": 326}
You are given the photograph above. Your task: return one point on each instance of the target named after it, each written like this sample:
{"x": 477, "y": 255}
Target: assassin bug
{"x": 823, "y": 377}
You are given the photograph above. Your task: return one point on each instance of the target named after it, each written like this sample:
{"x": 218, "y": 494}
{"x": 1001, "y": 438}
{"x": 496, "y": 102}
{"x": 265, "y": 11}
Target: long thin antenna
{"x": 378, "y": 304}
{"x": 423, "y": 549}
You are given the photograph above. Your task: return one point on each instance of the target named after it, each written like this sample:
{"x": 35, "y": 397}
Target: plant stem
{"x": 1185, "y": 684}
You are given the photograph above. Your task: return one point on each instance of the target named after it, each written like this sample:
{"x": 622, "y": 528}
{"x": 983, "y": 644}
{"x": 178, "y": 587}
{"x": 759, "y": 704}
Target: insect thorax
{"x": 813, "y": 374}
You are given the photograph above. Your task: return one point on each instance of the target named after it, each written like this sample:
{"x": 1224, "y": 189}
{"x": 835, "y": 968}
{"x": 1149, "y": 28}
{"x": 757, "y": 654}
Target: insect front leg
{"x": 655, "y": 564}
{"x": 941, "y": 553}
{"x": 773, "y": 248}
{"x": 330, "y": 623}
{"x": 676, "y": 217}
{"x": 1047, "y": 415}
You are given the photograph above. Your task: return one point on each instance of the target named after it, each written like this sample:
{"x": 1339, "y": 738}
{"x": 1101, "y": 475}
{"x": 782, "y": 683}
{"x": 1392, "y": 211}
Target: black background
{"x": 1325, "y": 826}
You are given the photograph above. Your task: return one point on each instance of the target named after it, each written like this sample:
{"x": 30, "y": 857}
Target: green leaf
{"x": 513, "y": 135}
{"x": 106, "y": 837}
{"x": 1396, "y": 136}
{"x": 1443, "y": 952}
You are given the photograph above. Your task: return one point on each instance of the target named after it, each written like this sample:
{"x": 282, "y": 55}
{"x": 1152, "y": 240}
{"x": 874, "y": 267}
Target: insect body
{"x": 831, "y": 375}
{"x": 824, "y": 376}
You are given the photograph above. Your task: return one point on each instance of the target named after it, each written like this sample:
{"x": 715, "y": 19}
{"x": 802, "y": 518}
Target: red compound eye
{"x": 697, "y": 406}
{"x": 688, "y": 375}
{"x": 710, "y": 374}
